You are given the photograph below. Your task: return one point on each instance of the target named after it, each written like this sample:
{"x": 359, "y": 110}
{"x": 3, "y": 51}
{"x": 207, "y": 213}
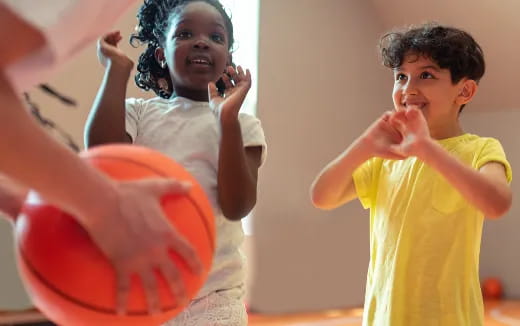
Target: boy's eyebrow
{"x": 433, "y": 67}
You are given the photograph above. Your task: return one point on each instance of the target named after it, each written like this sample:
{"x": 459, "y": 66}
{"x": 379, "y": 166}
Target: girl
{"x": 188, "y": 50}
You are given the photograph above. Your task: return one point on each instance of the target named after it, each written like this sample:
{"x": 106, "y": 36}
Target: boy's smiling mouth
{"x": 414, "y": 104}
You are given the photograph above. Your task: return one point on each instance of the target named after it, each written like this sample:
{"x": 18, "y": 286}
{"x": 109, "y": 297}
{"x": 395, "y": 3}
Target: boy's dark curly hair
{"x": 154, "y": 21}
{"x": 449, "y": 47}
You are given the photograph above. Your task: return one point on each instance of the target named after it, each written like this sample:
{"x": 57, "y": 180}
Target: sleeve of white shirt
{"x": 252, "y": 133}
{"x": 132, "y": 115}
{"x": 68, "y": 26}
{"x": 41, "y": 13}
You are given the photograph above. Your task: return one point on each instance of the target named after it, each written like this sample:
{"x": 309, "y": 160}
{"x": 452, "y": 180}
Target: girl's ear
{"x": 159, "y": 57}
{"x": 230, "y": 61}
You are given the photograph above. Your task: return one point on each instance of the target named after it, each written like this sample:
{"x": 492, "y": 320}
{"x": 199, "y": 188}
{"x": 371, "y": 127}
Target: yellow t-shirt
{"x": 424, "y": 239}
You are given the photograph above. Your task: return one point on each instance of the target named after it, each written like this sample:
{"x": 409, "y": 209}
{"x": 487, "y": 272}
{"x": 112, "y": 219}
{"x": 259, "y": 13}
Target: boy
{"x": 427, "y": 183}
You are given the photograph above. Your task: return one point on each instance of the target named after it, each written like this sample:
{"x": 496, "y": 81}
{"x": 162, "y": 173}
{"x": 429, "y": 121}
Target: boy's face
{"x": 420, "y": 82}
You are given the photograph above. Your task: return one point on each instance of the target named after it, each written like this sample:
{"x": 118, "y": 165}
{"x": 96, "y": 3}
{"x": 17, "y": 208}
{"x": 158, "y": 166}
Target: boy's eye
{"x": 400, "y": 77}
{"x": 426, "y": 75}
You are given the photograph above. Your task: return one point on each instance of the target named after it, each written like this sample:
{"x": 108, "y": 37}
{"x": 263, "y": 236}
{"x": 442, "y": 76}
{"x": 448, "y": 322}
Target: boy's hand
{"x": 381, "y": 136}
{"x": 108, "y": 52}
{"x": 237, "y": 85}
{"x": 413, "y": 128}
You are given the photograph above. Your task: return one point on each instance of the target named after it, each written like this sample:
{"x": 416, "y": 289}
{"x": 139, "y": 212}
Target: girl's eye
{"x": 218, "y": 38}
{"x": 183, "y": 35}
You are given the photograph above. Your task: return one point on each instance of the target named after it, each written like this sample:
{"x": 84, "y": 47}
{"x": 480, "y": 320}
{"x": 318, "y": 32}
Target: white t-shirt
{"x": 189, "y": 132}
{"x": 68, "y": 26}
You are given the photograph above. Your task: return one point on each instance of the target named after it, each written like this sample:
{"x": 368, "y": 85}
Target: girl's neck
{"x": 194, "y": 95}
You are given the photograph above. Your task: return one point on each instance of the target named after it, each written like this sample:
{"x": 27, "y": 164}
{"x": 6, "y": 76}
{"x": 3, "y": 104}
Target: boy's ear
{"x": 468, "y": 90}
{"x": 159, "y": 57}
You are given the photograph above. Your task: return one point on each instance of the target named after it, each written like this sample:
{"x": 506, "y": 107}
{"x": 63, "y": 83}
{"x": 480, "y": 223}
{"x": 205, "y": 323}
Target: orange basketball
{"x": 492, "y": 289}
{"x": 68, "y": 277}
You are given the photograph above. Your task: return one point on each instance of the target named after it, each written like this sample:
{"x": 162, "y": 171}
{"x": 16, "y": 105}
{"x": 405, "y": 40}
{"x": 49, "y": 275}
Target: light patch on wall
{"x": 244, "y": 14}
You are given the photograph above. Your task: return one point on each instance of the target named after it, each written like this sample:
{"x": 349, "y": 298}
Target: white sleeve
{"x": 252, "y": 133}
{"x": 40, "y": 14}
{"x": 133, "y": 113}
{"x": 68, "y": 26}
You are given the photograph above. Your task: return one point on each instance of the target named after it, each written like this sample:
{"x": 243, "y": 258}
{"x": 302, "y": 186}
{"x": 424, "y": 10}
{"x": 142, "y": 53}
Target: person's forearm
{"x": 236, "y": 184}
{"x": 490, "y": 197}
{"x": 12, "y": 196}
{"x": 32, "y": 157}
{"x": 334, "y": 184}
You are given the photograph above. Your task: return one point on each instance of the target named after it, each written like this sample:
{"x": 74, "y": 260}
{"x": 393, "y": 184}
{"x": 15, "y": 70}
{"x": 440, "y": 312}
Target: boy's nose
{"x": 410, "y": 89}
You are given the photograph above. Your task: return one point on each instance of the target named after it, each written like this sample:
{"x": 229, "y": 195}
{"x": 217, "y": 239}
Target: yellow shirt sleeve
{"x": 492, "y": 151}
{"x": 365, "y": 180}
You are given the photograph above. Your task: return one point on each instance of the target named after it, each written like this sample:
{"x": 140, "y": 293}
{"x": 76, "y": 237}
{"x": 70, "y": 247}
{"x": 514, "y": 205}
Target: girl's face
{"x": 196, "y": 48}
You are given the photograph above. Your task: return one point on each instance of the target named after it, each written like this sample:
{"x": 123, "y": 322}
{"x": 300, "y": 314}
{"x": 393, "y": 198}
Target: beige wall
{"x": 312, "y": 105}
{"x": 494, "y": 25}
{"x": 320, "y": 85}
{"x": 500, "y": 255}
{"x": 80, "y": 80}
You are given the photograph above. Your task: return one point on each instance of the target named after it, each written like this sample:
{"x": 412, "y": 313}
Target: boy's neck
{"x": 446, "y": 131}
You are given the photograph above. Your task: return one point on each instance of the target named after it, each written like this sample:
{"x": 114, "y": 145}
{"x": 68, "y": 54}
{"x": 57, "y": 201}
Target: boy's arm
{"x": 106, "y": 121}
{"x": 334, "y": 185}
{"x": 487, "y": 189}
